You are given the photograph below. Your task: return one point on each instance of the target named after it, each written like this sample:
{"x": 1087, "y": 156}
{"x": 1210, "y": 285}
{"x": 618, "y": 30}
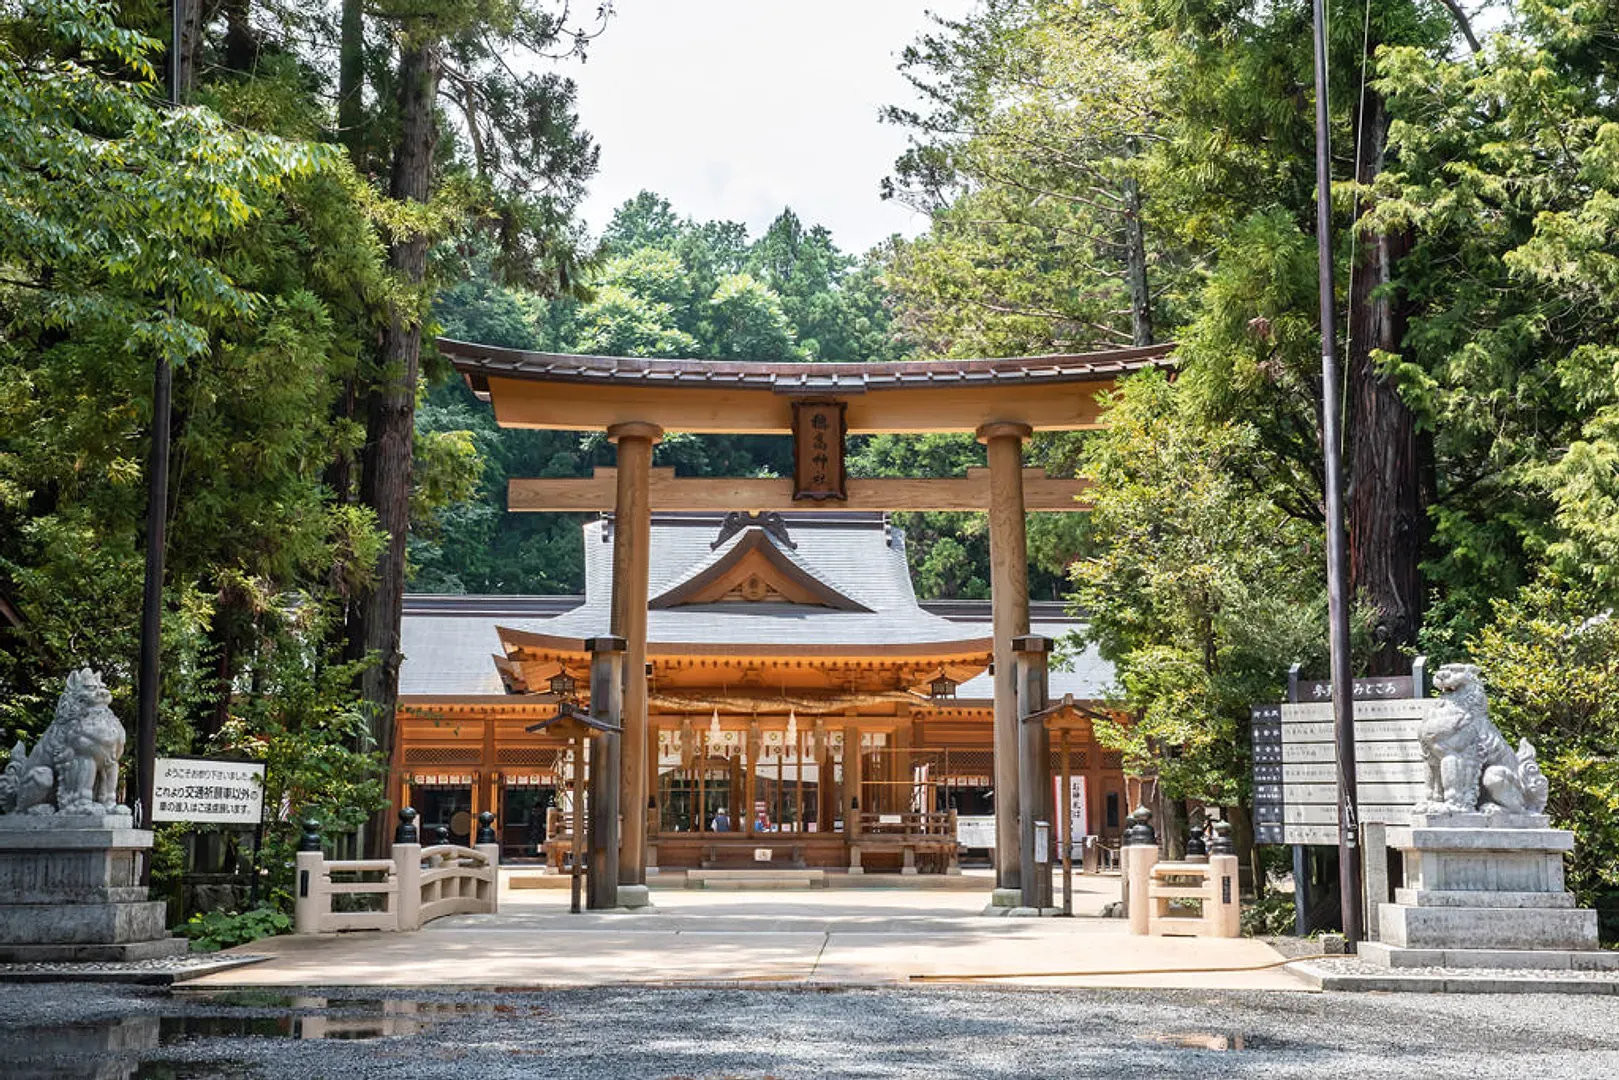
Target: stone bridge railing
{"x": 1196, "y": 897}
{"x": 415, "y": 886}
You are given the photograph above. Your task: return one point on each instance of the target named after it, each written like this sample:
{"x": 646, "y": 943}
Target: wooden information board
{"x": 1296, "y": 767}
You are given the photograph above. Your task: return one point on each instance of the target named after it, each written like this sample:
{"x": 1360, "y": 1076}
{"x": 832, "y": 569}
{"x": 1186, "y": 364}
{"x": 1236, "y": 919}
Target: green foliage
{"x": 1553, "y": 674}
{"x": 1197, "y": 586}
{"x": 1272, "y": 915}
{"x": 214, "y": 930}
{"x": 671, "y": 287}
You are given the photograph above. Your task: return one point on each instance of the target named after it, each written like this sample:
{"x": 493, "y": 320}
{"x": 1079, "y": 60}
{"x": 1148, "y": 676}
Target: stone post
{"x": 309, "y": 902}
{"x": 1139, "y": 854}
{"x": 632, "y": 541}
{"x": 1009, "y": 589}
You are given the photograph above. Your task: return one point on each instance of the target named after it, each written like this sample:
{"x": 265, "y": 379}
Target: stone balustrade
{"x": 1198, "y": 897}
{"x": 415, "y": 886}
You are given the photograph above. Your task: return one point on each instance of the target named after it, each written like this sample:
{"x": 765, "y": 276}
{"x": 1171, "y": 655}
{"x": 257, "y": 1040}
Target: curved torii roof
{"x": 569, "y": 392}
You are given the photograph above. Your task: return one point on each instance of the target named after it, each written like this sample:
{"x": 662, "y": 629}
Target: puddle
{"x": 131, "y": 1047}
{"x": 191, "y": 1070}
{"x": 172, "y": 1029}
{"x": 1201, "y": 1040}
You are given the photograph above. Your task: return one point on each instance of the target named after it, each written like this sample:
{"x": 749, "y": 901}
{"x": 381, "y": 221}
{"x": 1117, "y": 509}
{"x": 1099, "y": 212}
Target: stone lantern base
{"x": 70, "y": 891}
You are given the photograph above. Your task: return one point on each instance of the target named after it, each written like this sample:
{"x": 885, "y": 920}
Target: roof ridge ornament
{"x": 738, "y": 520}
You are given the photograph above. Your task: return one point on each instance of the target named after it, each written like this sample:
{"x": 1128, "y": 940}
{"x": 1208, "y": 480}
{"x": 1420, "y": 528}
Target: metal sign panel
{"x": 1296, "y": 766}
{"x": 204, "y": 791}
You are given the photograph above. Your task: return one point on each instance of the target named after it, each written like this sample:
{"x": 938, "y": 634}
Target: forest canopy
{"x": 344, "y": 181}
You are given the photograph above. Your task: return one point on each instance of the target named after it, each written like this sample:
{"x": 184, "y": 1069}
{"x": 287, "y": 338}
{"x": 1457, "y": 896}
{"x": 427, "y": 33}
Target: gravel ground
{"x": 66, "y": 1031}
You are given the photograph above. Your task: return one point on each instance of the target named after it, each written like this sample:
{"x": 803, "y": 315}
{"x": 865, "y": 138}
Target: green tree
{"x": 1553, "y": 675}
{"x": 1199, "y": 590}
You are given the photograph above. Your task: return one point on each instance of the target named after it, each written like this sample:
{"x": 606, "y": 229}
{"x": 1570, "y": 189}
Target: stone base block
{"x": 634, "y": 896}
{"x": 1468, "y": 898}
{"x": 1487, "y": 928}
{"x": 1393, "y": 956}
{"x": 82, "y": 924}
{"x": 1428, "y": 838}
{"x": 1007, "y": 898}
{"x": 1479, "y": 820}
{"x": 161, "y": 949}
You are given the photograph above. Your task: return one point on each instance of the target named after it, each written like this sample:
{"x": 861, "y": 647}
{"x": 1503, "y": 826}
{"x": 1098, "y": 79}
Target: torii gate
{"x": 636, "y": 401}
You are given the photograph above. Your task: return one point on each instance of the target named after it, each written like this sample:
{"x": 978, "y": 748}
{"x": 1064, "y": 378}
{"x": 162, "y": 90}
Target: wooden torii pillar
{"x": 1009, "y": 599}
{"x": 632, "y": 541}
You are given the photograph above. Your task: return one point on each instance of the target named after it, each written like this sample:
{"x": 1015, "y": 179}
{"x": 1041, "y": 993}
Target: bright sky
{"x": 734, "y": 109}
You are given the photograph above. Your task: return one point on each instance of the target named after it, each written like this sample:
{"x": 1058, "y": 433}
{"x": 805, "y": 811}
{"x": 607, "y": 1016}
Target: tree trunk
{"x": 351, "y": 82}
{"x": 241, "y": 44}
{"x": 1250, "y": 873}
{"x": 1386, "y": 508}
{"x": 1173, "y": 826}
{"x": 190, "y": 44}
{"x": 1135, "y": 264}
{"x": 385, "y": 475}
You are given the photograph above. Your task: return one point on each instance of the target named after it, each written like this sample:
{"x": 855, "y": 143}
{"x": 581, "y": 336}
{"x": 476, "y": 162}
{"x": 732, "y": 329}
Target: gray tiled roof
{"x": 1088, "y": 677}
{"x": 481, "y": 362}
{"x": 862, "y": 559}
{"x": 448, "y": 644}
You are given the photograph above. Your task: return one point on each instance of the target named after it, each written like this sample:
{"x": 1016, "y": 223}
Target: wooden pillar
{"x": 632, "y": 541}
{"x": 606, "y": 748}
{"x": 1009, "y": 590}
{"x": 903, "y": 764}
{"x": 1065, "y": 810}
{"x": 751, "y": 747}
{"x": 851, "y": 781}
{"x": 702, "y": 781}
{"x": 1034, "y": 760}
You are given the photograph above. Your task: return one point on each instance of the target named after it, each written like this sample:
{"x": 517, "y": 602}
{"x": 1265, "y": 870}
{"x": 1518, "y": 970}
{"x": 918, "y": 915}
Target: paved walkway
{"x": 854, "y": 937}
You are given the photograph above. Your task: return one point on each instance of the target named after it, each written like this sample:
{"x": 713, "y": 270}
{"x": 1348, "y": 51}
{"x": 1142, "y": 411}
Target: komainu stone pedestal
{"x": 70, "y": 891}
{"x": 1484, "y": 890}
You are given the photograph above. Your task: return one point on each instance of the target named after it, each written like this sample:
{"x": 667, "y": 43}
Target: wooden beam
{"x": 570, "y": 406}
{"x": 669, "y": 492}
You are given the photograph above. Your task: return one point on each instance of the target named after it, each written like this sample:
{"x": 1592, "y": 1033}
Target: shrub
{"x": 215, "y": 930}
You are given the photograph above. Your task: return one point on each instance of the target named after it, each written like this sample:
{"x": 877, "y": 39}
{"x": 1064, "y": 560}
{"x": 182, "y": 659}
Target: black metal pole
{"x": 1343, "y": 698}
{"x": 157, "y": 505}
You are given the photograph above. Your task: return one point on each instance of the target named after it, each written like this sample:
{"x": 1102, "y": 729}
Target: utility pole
{"x": 1343, "y": 698}
{"x": 157, "y": 507}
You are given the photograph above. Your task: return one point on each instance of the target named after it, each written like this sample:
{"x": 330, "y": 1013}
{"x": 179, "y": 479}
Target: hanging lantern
{"x": 563, "y": 685}
{"x": 943, "y": 688}
{"x": 792, "y": 728}
{"x": 715, "y": 736}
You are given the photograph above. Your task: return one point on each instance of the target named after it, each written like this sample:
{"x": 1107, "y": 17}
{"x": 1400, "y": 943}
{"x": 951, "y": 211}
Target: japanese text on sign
{"x": 208, "y": 792}
{"x": 818, "y": 468}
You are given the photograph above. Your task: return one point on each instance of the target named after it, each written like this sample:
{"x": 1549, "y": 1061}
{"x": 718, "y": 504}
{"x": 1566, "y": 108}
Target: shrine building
{"x": 776, "y": 644}
{"x": 755, "y": 644}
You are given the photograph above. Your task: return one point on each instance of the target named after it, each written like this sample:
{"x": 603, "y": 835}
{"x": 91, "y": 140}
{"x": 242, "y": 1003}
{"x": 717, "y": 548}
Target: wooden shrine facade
{"x": 854, "y": 726}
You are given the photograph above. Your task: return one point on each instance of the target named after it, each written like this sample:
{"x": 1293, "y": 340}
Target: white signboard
{"x": 1078, "y": 819}
{"x": 208, "y": 792}
{"x": 1295, "y": 767}
{"x": 976, "y": 831}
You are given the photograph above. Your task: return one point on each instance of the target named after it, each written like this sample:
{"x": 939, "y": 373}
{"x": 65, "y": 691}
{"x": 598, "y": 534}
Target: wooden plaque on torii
{"x": 819, "y": 430}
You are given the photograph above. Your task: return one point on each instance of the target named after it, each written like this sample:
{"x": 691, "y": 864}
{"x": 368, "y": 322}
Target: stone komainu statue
{"x": 1470, "y": 765}
{"x": 76, "y": 760}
